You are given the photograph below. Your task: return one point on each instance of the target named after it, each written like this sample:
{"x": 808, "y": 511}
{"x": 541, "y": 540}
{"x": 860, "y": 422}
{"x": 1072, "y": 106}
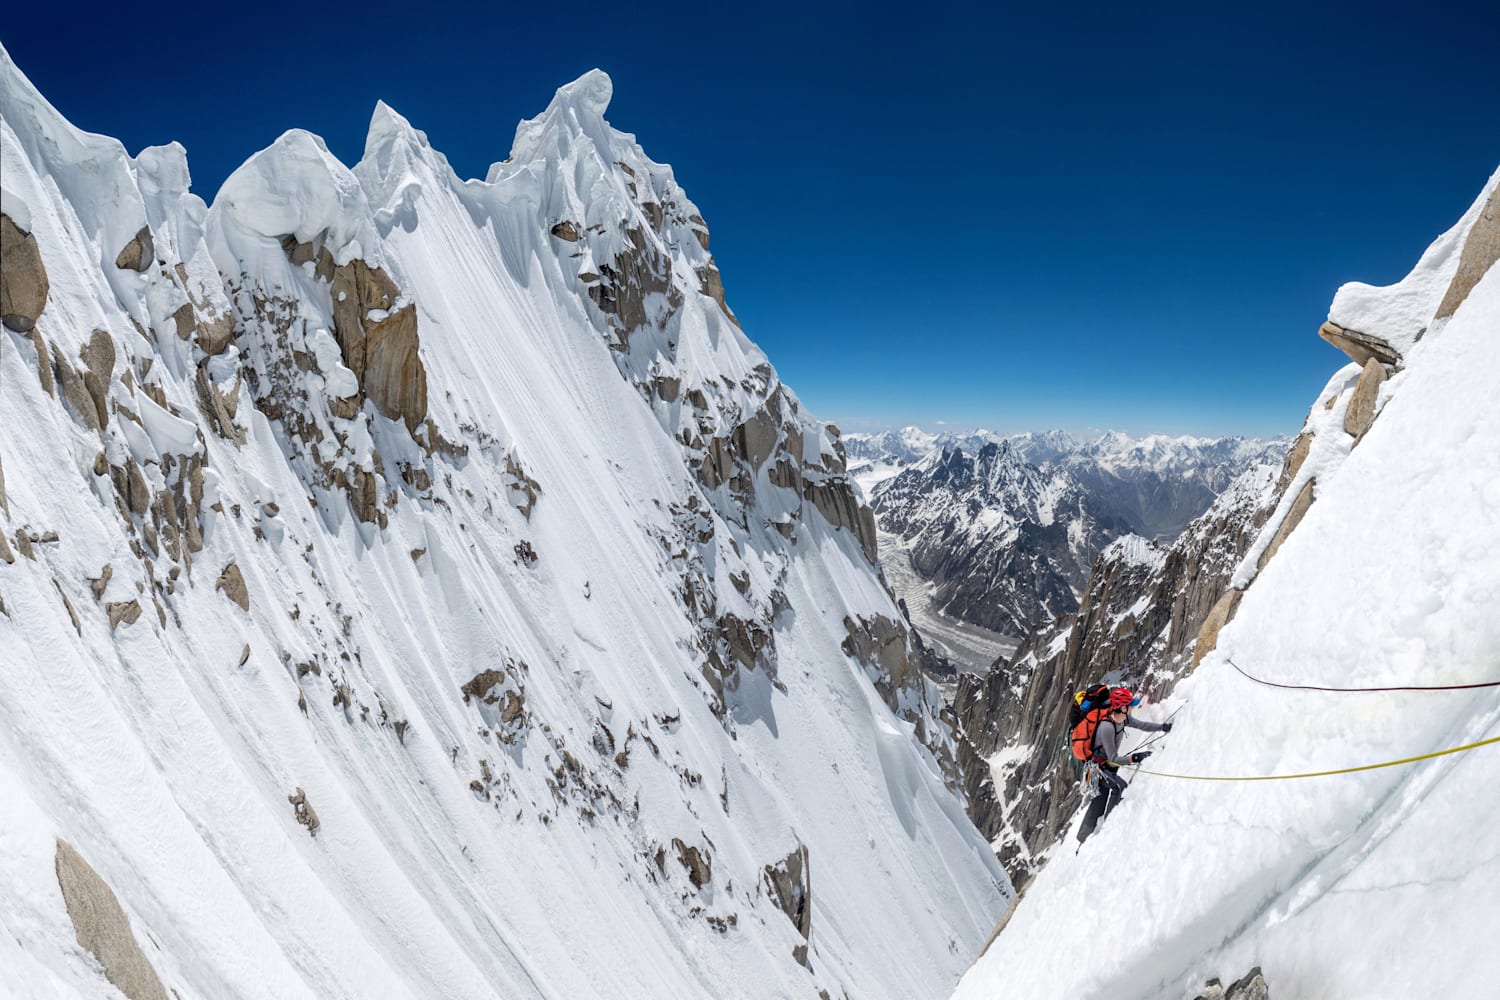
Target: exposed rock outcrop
{"x": 23, "y": 278}
{"x": 699, "y": 863}
{"x": 1361, "y": 411}
{"x": 1251, "y": 987}
{"x": 139, "y": 254}
{"x": 1221, "y": 614}
{"x": 1289, "y": 523}
{"x": 126, "y": 612}
{"x": 1481, "y": 250}
{"x": 501, "y": 697}
{"x": 835, "y": 499}
{"x": 789, "y": 884}
{"x": 304, "y": 812}
{"x": 884, "y": 645}
{"x": 1361, "y": 347}
{"x": 377, "y": 333}
{"x": 102, "y": 928}
{"x": 232, "y": 582}
{"x": 101, "y": 582}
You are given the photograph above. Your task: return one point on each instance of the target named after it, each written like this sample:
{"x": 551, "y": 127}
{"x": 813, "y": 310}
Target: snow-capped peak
{"x": 297, "y": 187}
{"x": 575, "y": 113}
{"x": 466, "y": 512}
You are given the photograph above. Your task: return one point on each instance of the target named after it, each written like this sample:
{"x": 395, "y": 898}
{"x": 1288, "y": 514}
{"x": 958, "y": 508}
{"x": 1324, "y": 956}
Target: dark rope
{"x": 1413, "y": 687}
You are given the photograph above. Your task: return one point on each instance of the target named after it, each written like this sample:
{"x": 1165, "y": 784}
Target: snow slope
{"x": 1382, "y": 883}
{"x": 485, "y": 595}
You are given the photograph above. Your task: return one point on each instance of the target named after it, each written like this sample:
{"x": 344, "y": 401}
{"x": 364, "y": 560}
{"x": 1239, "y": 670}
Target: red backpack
{"x": 1089, "y": 706}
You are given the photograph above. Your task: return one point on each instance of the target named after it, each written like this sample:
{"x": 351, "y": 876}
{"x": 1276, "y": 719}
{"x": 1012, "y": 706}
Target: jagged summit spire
{"x": 576, "y": 111}
{"x": 590, "y": 94}
{"x": 386, "y": 125}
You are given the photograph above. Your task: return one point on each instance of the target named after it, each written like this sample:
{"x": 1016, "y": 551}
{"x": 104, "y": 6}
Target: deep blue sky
{"x": 1120, "y": 215}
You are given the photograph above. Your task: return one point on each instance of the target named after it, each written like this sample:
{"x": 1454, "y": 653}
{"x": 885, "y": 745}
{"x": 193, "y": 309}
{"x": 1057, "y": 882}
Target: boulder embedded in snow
{"x": 1481, "y": 250}
{"x": 75, "y": 392}
{"x": 184, "y": 320}
{"x": 1361, "y": 412}
{"x": 1360, "y": 347}
{"x": 137, "y": 493}
{"x": 523, "y": 489}
{"x": 789, "y": 883}
{"x": 566, "y": 230}
{"x": 212, "y": 334}
{"x": 102, "y": 928}
{"x": 128, "y": 612}
{"x": 6, "y": 555}
{"x": 23, "y": 278}
{"x": 99, "y": 365}
{"x": 99, "y": 355}
{"x": 304, "y": 812}
{"x": 43, "y": 362}
{"x": 668, "y": 388}
{"x": 479, "y": 687}
{"x": 218, "y": 406}
{"x": 232, "y": 583}
{"x": 99, "y": 583}
{"x": 139, "y": 253}
{"x": 1252, "y": 987}
{"x": 699, "y": 864}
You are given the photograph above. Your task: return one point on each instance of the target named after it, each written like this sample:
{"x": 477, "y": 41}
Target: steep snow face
{"x": 371, "y": 635}
{"x": 1375, "y": 883}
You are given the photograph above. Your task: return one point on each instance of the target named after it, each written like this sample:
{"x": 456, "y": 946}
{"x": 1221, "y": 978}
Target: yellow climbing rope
{"x": 1317, "y": 774}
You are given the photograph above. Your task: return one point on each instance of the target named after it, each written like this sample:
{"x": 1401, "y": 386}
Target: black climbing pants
{"x": 1111, "y": 788}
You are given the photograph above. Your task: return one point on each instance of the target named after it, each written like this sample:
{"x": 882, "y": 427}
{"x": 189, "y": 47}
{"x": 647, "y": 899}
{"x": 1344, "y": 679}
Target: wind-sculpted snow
{"x": 1374, "y": 569}
{"x": 414, "y": 586}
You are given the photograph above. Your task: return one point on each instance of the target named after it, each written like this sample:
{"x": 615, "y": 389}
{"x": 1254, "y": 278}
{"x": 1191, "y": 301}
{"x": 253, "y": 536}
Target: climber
{"x": 1106, "y": 757}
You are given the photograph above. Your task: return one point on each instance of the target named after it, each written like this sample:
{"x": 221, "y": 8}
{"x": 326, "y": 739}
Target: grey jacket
{"x": 1107, "y": 736}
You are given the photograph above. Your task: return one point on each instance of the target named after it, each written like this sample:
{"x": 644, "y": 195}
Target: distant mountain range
{"x": 1006, "y": 527}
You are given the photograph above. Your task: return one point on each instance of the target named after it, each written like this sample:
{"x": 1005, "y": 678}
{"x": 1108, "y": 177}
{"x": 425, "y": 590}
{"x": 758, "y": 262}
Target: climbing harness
{"x": 1312, "y": 687}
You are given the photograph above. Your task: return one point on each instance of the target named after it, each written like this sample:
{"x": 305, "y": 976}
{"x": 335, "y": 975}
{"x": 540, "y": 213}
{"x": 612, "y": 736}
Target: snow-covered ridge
{"x": 1134, "y": 550}
{"x": 421, "y": 586}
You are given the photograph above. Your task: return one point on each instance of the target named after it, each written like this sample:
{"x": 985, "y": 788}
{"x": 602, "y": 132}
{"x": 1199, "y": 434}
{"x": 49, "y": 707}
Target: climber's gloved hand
{"x": 1166, "y": 727}
{"x": 1139, "y": 756}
